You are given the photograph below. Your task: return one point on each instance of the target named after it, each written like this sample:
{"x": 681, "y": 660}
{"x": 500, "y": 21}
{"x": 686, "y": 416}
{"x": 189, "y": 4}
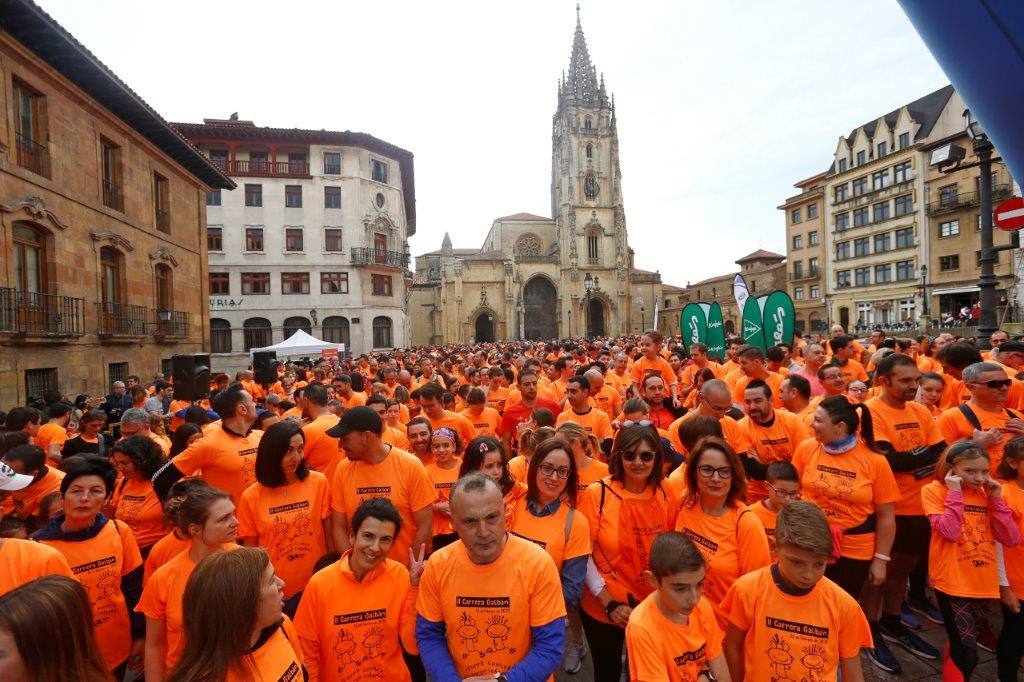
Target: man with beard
{"x": 520, "y": 412}
{"x": 774, "y": 435}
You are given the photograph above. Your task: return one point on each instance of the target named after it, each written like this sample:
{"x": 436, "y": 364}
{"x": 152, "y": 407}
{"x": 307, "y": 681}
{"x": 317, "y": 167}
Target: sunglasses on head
{"x": 642, "y": 422}
{"x": 995, "y": 383}
{"x": 645, "y": 456}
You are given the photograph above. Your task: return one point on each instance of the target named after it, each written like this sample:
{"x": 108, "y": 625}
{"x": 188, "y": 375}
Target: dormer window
{"x": 842, "y": 165}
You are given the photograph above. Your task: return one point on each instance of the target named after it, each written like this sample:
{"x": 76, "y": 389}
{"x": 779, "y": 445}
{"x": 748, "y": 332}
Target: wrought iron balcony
{"x": 121, "y": 319}
{"x": 170, "y": 324}
{"x": 367, "y": 256}
{"x": 33, "y": 155}
{"x": 35, "y": 314}
{"x": 962, "y": 200}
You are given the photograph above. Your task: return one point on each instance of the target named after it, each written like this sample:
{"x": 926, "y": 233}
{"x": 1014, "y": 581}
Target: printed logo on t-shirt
{"x": 359, "y": 643}
{"x": 360, "y": 616}
{"x": 101, "y": 579}
{"x": 374, "y": 490}
{"x": 304, "y": 504}
{"x": 975, "y": 544}
{"x": 93, "y": 565}
{"x": 774, "y": 441}
{"x": 539, "y": 543}
{"x": 485, "y": 636}
{"x": 796, "y": 648}
{"x": 710, "y": 545}
{"x": 292, "y": 673}
{"x": 691, "y": 656}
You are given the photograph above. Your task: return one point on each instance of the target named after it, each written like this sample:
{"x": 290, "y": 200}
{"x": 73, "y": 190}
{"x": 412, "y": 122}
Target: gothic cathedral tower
{"x": 586, "y": 197}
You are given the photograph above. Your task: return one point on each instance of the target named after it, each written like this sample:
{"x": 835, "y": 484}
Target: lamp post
{"x": 588, "y": 285}
{"x": 570, "y": 319}
{"x": 924, "y": 296}
{"x": 987, "y": 281}
{"x": 519, "y": 317}
{"x": 643, "y": 320}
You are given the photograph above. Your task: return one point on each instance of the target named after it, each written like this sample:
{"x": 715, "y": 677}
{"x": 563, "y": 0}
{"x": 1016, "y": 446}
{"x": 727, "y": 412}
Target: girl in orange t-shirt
{"x": 1010, "y": 560}
{"x": 929, "y": 392}
{"x": 286, "y": 509}
{"x": 443, "y": 472}
{"x": 487, "y": 454}
{"x": 729, "y": 536}
{"x": 234, "y": 627}
{"x": 206, "y": 516}
{"x": 135, "y": 502}
{"x": 854, "y": 486}
{"x": 968, "y": 515}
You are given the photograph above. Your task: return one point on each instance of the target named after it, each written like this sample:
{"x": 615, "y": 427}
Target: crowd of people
{"x": 506, "y": 510}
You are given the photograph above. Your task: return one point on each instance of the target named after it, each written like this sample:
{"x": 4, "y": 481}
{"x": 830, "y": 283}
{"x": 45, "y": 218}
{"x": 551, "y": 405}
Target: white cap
{"x": 12, "y": 481}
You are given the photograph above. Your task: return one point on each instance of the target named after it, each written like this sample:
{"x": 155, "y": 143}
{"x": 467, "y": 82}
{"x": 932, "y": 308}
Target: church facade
{"x": 544, "y": 278}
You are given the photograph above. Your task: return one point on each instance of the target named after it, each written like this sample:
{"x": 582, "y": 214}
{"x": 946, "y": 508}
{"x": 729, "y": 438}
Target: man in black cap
{"x": 1010, "y": 355}
{"x": 372, "y": 468}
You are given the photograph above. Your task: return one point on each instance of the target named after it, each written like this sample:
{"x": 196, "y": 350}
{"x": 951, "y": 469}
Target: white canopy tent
{"x": 301, "y": 343}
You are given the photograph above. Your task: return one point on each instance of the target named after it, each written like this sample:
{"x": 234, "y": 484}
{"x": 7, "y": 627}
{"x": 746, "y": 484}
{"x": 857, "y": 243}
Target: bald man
{"x": 814, "y": 358}
{"x": 714, "y": 400}
{"x": 605, "y": 398}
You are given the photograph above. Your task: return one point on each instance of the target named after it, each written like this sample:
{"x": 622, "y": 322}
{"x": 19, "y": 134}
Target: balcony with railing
{"x": 962, "y": 200}
{"x": 170, "y": 324}
{"x": 33, "y": 155}
{"x": 34, "y": 314}
{"x": 163, "y": 220}
{"x": 121, "y": 319}
{"x": 113, "y": 195}
{"x": 811, "y": 273}
{"x": 259, "y": 168}
{"x": 368, "y": 256}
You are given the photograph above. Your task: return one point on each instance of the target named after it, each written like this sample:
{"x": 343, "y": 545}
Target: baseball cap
{"x": 361, "y": 418}
{"x": 11, "y": 481}
{"x": 1011, "y": 347}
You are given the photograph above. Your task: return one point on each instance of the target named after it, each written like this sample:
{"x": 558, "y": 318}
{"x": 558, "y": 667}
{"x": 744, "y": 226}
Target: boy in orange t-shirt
{"x": 672, "y": 634}
{"x": 652, "y": 363}
{"x": 783, "y": 487}
{"x": 788, "y": 621}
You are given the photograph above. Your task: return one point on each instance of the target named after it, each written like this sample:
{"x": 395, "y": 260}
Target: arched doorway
{"x": 484, "y": 328}
{"x": 595, "y": 319}
{"x": 540, "y": 309}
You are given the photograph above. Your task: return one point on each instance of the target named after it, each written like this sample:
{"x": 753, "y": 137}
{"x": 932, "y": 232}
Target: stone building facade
{"x": 805, "y": 249}
{"x": 542, "y": 278}
{"x": 102, "y": 228}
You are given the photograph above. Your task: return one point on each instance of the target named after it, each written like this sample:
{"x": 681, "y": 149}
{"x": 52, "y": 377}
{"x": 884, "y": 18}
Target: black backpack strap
{"x": 969, "y": 415}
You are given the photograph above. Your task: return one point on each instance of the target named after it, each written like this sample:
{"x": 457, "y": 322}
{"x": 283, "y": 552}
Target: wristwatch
{"x": 610, "y": 609}
{"x": 706, "y": 676}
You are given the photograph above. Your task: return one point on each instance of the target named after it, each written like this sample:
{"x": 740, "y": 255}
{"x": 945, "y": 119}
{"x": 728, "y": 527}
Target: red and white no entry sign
{"x": 1009, "y": 215}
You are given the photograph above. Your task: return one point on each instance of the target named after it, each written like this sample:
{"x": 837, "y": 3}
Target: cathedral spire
{"x": 582, "y": 83}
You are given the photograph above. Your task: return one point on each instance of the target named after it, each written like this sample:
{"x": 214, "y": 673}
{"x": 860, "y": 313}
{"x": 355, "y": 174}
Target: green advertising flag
{"x": 753, "y": 323}
{"x": 716, "y": 331}
{"x": 777, "y": 319}
{"x": 693, "y": 324}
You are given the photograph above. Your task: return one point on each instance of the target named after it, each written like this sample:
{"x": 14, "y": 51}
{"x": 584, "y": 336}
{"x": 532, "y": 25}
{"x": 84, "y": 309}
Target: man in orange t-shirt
{"x": 491, "y": 604}
{"x": 23, "y": 503}
{"x": 844, "y": 356}
{"x": 752, "y": 367}
{"x": 592, "y": 419}
{"x": 485, "y": 419}
{"x": 984, "y": 418}
{"x": 604, "y": 396}
{"x": 699, "y": 355}
{"x": 344, "y": 393}
{"x": 321, "y": 450}
{"x": 774, "y": 435}
{"x": 430, "y": 401}
{"x": 373, "y": 468}
{"x": 54, "y": 433}
{"x": 714, "y": 400}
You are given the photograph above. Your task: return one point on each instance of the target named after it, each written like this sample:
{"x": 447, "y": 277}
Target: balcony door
{"x": 380, "y": 247}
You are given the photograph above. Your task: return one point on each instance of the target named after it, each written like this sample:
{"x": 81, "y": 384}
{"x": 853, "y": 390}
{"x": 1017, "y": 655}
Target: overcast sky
{"x": 721, "y": 106}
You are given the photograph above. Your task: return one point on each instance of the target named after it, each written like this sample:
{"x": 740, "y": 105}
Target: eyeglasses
{"x": 718, "y": 408}
{"x": 642, "y": 422}
{"x": 553, "y": 472}
{"x": 644, "y": 455}
{"x": 779, "y": 492}
{"x": 995, "y": 383}
{"x": 708, "y": 471}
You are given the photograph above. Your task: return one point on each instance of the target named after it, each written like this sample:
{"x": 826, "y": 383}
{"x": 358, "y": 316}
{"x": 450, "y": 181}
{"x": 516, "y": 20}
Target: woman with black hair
{"x": 287, "y": 510}
{"x": 487, "y": 455}
{"x": 90, "y": 439}
{"x": 135, "y": 502}
{"x": 184, "y": 435}
{"x": 104, "y": 557}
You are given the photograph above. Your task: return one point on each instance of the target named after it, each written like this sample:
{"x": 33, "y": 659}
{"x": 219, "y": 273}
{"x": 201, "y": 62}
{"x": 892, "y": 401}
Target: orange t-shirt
{"x": 734, "y": 435}
{"x": 355, "y": 400}
{"x": 953, "y": 426}
{"x": 774, "y": 382}
{"x": 795, "y": 638}
{"x": 490, "y": 609}
{"x": 594, "y": 421}
{"x": 24, "y": 503}
{"x": 768, "y": 519}
{"x": 98, "y": 564}
{"x": 548, "y": 532}
{"x": 173, "y": 409}
{"x": 594, "y": 471}
{"x": 227, "y": 461}
{"x": 847, "y": 487}
{"x": 401, "y": 478}
{"x": 161, "y": 600}
{"x": 165, "y": 549}
{"x": 954, "y": 392}
{"x": 350, "y": 630}
{"x": 519, "y": 468}
{"x": 733, "y": 544}
{"x": 643, "y": 367}
{"x": 772, "y": 443}
{"x": 1013, "y": 557}
{"x": 620, "y": 382}
{"x": 396, "y": 437}
{"x": 278, "y": 658}
{"x": 929, "y": 364}
{"x": 457, "y": 423}
{"x": 24, "y": 560}
{"x": 660, "y": 649}
{"x": 443, "y": 480}
{"x": 496, "y": 398}
{"x": 135, "y": 503}
{"x": 854, "y": 371}
{"x": 621, "y": 532}
{"x": 608, "y": 400}
{"x": 907, "y": 429}
{"x": 966, "y": 568}
{"x": 322, "y": 451}
{"x": 50, "y": 434}
{"x": 484, "y": 424}
{"x": 691, "y": 370}
{"x": 288, "y": 522}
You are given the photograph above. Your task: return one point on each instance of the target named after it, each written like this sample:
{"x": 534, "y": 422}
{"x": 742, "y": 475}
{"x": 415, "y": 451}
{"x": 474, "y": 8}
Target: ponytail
{"x": 867, "y": 427}
{"x": 856, "y": 417}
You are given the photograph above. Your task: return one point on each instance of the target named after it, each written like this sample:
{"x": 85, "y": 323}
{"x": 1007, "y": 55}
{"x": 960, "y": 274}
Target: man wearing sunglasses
{"x": 985, "y": 418}
{"x": 714, "y": 400}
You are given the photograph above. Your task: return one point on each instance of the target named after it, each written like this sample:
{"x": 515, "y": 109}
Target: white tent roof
{"x": 301, "y": 343}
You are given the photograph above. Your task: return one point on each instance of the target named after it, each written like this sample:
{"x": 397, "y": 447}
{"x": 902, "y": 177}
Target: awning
{"x": 301, "y": 343}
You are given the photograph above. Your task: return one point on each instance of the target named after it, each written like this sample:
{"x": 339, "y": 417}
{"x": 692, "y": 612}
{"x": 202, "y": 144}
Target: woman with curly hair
{"x": 135, "y": 502}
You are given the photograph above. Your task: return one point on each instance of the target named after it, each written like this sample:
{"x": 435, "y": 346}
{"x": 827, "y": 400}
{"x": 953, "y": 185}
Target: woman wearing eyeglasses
{"x": 626, "y": 510}
{"x": 547, "y": 516}
{"x": 713, "y": 514}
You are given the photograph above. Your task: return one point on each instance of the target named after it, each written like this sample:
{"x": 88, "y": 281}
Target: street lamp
{"x": 588, "y": 285}
{"x": 570, "y": 320}
{"x": 987, "y": 281}
{"x": 643, "y": 320}
{"x": 519, "y": 317}
{"x": 924, "y": 293}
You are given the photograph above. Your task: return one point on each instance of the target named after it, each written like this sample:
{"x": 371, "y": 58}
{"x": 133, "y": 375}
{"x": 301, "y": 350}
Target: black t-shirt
{"x": 80, "y": 446}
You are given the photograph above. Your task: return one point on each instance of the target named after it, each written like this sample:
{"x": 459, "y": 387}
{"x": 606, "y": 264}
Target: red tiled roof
{"x": 761, "y": 254}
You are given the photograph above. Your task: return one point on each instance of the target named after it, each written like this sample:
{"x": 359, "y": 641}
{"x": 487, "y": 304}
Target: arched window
{"x": 590, "y": 151}
{"x": 336, "y": 330}
{"x": 592, "y": 253}
{"x": 587, "y": 123}
{"x": 382, "y": 332}
{"x": 164, "y": 287}
{"x": 590, "y": 187}
{"x": 29, "y": 258}
{"x": 256, "y": 333}
{"x": 111, "y": 275}
{"x": 294, "y": 324}
{"x": 220, "y": 335}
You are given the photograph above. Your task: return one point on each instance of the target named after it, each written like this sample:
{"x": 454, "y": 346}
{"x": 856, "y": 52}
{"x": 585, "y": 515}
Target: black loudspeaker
{"x": 264, "y": 365}
{"x": 191, "y": 375}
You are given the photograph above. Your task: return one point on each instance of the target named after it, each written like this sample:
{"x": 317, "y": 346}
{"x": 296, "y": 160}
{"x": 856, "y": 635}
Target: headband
{"x": 962, "y": 446}
{"x": 444, "y": 431}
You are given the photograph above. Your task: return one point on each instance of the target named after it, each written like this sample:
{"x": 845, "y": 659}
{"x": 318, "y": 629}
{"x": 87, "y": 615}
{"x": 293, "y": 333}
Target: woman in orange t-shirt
{"x": 287, "y": 509}
{"x": 842, "y": 474}
{"x": 729, "y": 536}
{"x": 104, "y": 558}
{"x": 487, "y": 454}
{"x": 206, "y": 516}
{"x": 135, "y": 502}
{"x": 968, "y": 515}
{"x": 929, "y": 392}
{"x": 626, "y": 510}
{"x": 443, "y": 472}
{"x": 586, "y": 452}
{"x": 234, "y": 627}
